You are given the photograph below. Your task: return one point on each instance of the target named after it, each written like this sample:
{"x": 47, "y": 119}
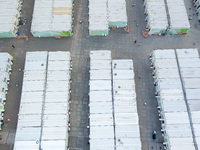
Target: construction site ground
{"x": 122, "y": 45}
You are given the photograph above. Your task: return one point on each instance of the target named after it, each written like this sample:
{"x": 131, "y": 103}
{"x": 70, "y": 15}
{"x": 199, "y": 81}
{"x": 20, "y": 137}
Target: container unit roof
{"x": 55, "y": 123}
{"x": 156, "y": 15}
{"x": 178, "y": 14}
{"x": 125, "y": 111}
{"x": 98, "y": 17}
{"x": 117, "y": 13}
{"x": 5, "y": 62}
{"x": 6, "y": 57}
{"x": 191, "y": 81}
{"x": 30, "y": 113}
{"x": 101, "y": 109}
{"x": 7, "y": 15}
{"x": 172, "y": 104}
{"x": 52, "y": 18}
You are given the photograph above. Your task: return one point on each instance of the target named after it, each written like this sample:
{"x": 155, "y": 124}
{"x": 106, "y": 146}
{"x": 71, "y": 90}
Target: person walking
{"x": 13, "y": 46}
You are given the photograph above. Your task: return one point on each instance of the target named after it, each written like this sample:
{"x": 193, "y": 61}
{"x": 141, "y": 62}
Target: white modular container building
{"x": 38, "y": 126}
{"x": 55, "y": 124}
{"x": 98, "y": 17}
{"x": 52, "y": 18}
{"x": 166, "y": 16}
{"x": 189, "y": 63}
{"x": 10, "y": 14}
{"x": 179, "y": 23}
{"x": 117, "y": 13}
{"x": 172, "y": 108}
{"x": 156, "y": 16}
{"x": 30, "y": 113}
{"x": 127, "y": 131}
{"x": 101, "y": 106}
{"x": 104, "y": 14}
{"x": 6, "y": 61}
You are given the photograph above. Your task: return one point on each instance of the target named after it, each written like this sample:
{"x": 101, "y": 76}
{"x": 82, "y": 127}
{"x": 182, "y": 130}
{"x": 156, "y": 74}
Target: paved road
{"x": 122, "y": 46}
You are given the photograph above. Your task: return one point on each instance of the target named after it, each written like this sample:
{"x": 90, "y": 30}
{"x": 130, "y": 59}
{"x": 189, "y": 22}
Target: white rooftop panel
{"x": 54, "y": 133}
{"x": 28, "y": 134}
{"x": 192, "y": 94}
{"x": 29, "y": 120}
{"x": 26, "y": 145}
{"x": 100, "y": 74}
{"x": 99, "y": 132}
{"x": 123, "y": 64}
{"x": 123, "y": 75}
{"x": 55, "y": 120}
{"x": 164, "y": 54}
{"x": 32, "y": 97}
{"x": 35, "y": 65}
{"x": 126, "y": 118}
{"x": 36, "y": 56}
{"x": 59, "y": 56}
{"x": 128, "y": 144}
{"x": 187, "y": 53}
{"x": 100, "y": 96}
{"x": 97, "y": 85}
{"x": 100, "y": 55}
{"x": 58, "y": 65}
{"x": 52, "y": 145}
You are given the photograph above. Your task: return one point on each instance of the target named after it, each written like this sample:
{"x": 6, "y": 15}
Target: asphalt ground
{"x": 80, "y": 44}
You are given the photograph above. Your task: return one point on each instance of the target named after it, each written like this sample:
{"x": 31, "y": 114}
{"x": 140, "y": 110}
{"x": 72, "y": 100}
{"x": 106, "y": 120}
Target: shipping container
{"x": 10, "y": 15}
{"x": 171, "y": 101}
{"x": 117, "y": 13}
{"x": 189, "y": 62}
{"x": 100, "y": 101}
{"x": 52, "y": 18}
{"x": 43, "y": 120}
{"x": 126, "y": 118}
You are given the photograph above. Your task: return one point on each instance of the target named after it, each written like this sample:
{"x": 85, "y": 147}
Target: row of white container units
{"x": 196, "y": 4}
{"x": 104, "y": 14}
{"x": 101, "y": 104}
{"x": 10, "y": 15}
{"x": 127, "y": 132}
{"x": 113, "y": 111}
{"x": 43, "y": 119}
{"x": 56, "y": 20}
{"x": 166, "y": 17}
{"x": 175, "y": 110}
{"x": 189, "y": 65}
{"x": 6, "y": 61}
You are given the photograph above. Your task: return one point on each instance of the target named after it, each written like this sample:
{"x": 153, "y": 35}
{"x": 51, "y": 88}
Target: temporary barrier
{"x": 6, "y": 61}
{"x": 38, "y": 126}
{"x": 10, "y": 15}
{"x": 177, "y": 133}
{"x": 52, "y": 18}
